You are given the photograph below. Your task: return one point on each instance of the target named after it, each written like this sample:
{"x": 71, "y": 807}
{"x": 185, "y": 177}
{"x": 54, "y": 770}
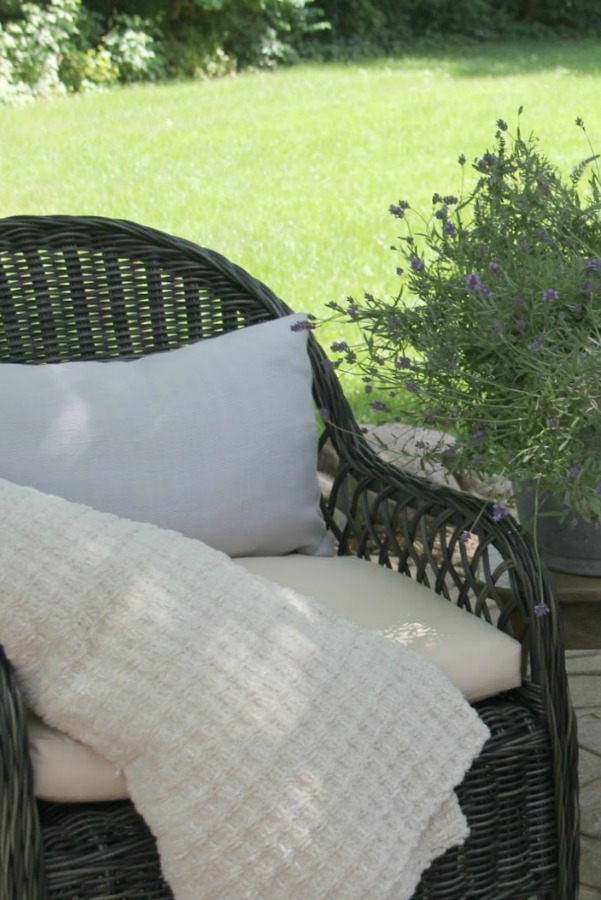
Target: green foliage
{"x": 192, "y": 52}
{"x": 146, "y": 9}
{"x": 361, "y": 28}
{"x": 61, "y": 46}
{"x": 265, "y": 33}
{"x": 214, "y": 37}
{"x": 10, "y": 9}
{"x": 388, "y": 25}
{"x": 495, "y": 333}
{"x": 32, "y": 46}
{"x": 82, "y": 70}
{"x": 58, "y": 45}
{"x": 133, "y": 47}
{"x": 49, "y": 46}
{"x": 564, "y": 15}
{"x": 470, "y": 18}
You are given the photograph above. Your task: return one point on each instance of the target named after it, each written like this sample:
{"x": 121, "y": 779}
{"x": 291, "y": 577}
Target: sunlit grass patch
{"x": 291, "y": 174}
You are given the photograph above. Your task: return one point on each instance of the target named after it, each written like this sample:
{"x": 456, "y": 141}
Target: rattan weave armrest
{"x": 20, "y": 846}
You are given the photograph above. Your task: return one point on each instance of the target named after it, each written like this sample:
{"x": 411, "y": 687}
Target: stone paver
{"x": 586, "y": 694}
{"x": 587, "y": 893}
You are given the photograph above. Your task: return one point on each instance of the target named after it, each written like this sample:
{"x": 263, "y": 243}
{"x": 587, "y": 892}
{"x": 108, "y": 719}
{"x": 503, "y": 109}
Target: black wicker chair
{"x": 92, "y": 288}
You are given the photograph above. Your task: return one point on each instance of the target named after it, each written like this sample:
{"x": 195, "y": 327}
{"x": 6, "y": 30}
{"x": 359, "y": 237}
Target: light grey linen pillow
{"x": 216, "y": 440}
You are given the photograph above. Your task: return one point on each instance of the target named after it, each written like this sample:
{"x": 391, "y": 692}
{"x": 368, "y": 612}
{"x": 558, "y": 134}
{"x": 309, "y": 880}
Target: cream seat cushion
{"x": 66, "y": 771}
{"x": 480, "y": 660}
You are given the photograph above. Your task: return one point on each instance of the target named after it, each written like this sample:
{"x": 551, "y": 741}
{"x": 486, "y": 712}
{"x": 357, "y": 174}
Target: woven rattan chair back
{"x": 96, "y": 289}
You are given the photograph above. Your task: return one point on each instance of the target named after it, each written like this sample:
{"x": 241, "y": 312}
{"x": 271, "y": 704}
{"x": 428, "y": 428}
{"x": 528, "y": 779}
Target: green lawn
{"x": 291, "y": 174}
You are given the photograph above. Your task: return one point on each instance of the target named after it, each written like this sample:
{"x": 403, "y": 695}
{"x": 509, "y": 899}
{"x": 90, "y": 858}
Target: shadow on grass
{"x": 502, "y": 59}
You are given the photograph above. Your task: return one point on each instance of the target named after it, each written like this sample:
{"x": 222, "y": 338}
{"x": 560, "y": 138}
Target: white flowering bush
{"x": 132, "y": 48}
{"x": 31, "y": 49}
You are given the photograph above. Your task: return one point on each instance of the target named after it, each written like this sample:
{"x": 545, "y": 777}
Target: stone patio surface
{"x": 584, "y": 672}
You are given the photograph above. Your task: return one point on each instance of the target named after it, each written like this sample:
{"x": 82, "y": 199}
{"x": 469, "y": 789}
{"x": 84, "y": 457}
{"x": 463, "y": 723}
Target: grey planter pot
{"x": 567, "y": 542}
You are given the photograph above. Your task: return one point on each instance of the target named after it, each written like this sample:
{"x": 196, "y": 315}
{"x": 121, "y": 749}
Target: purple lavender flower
{"x": 339, "y": 347}
{"x": 494, "y": 267}
{"x": 593, "y": 265}
{"x": 501, "y": 125}
{"x": 574, "y": 472}
{"x": 378, "y": 406}
{"x": 500, "y": 511}
{"x": 541, "y": 609}
{"x": 397, "y": 211}
{"x": 417, "y": 264}
{"x": 464, "y": 537}
{"x": 403, "y": 362}
{"x": 461, "y": 159}
{"x": 305, "y": 325}
{"x": 412, "y": 387}
{"x": 537, "y": 344}
{"x": 550, "y": 296}
{"x": 473, "y": 282}
{"x": 450, "y": 200}
{"x": 351, "y": 357}
{"x": 487, "y": 161}
{"x": 421, "y": 445}
{"x": 442, "y": 213}
{"x": 524, "y": 245}
{"x": 449, "y": 228}
{"x": 325, "y": 414}
{"x": 496, "y": 329}
{"x": 436, "y": 198}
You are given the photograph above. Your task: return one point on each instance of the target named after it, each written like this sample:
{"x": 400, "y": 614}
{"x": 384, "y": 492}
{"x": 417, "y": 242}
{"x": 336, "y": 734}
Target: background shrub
{"x": 32, "y": 46}
{"x": 51, "y": 46}
{"x": 134, "y": 47}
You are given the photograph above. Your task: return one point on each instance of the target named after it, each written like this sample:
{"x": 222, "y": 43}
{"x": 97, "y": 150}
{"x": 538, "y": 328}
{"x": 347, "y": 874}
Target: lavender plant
{"x": 495, "y": 334}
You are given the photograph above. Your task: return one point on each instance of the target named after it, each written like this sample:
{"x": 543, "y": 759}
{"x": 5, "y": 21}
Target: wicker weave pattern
{"x": 83, "y": 288}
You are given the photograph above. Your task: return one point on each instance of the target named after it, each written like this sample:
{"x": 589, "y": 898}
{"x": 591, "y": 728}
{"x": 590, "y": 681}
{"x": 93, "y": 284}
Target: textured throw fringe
{"x": 276, "y": 751}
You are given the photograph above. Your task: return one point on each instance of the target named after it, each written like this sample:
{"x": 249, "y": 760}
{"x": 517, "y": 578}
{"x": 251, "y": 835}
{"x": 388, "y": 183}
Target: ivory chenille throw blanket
{"x": 276, "y": 751}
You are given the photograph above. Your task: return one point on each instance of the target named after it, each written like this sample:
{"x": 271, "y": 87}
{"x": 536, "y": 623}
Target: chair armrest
{"x": 21, "y": 869}
{"x": 377, "y": 511}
